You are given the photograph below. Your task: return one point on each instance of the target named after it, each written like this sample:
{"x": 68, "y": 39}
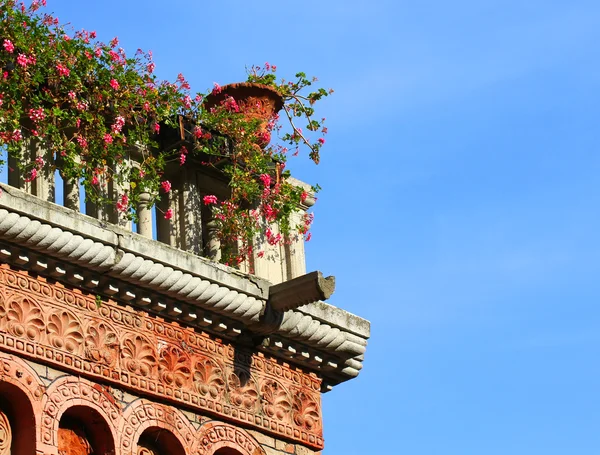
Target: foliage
{"x": 101, "y": 117}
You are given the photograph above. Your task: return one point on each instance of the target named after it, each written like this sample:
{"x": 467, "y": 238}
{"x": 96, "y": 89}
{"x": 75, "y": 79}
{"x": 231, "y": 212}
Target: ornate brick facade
{"x": 111, "y": 344}
{"x": 123, "y": 348}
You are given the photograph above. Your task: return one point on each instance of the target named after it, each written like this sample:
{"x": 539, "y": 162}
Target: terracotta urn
{"x": 255, "y": 101}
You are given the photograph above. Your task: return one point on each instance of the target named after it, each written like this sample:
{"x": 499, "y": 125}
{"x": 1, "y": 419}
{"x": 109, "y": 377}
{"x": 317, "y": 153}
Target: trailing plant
{"x": 100, "y": 117}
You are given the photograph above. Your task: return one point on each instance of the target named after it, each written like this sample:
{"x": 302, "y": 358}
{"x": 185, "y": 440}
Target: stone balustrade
{"x": 191, "y": 229}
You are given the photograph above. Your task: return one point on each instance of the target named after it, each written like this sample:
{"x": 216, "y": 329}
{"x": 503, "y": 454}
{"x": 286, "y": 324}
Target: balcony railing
{"x": 191, "y": 228}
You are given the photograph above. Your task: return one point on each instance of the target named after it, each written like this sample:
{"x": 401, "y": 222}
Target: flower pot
{"x": 255, "y": 101}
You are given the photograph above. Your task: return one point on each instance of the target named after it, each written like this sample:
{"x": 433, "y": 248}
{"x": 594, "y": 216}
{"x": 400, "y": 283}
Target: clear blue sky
{"x": 461, "y": 203}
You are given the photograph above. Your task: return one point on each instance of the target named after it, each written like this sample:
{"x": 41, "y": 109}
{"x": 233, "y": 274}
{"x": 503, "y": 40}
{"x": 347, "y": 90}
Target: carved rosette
{"x": 21, "y": 317}
{"x": 306, "y": 411}
{"x": 64, "y": 331}
{"x": 101, "y": 345}
{"x": 174, "y": 367}
{"x": 208, "y": 378}
{"x": 276, "y": 400}
{"x": 5, "y": 434}
{"x": 242, "y": 390}
{"x": 138, "y": 356}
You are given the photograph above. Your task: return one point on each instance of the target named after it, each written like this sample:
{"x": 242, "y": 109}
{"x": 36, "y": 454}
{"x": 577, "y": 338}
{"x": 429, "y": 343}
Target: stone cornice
{"x": 318, "y": 336}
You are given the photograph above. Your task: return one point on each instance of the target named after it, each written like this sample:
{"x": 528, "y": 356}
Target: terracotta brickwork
{"x": 136, "y": 378}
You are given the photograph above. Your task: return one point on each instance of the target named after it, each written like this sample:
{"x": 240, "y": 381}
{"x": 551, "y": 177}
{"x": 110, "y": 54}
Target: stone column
{"x": 144, "y": 216}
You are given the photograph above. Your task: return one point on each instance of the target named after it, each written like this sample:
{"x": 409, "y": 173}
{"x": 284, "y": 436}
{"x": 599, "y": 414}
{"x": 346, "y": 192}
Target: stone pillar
{"x": 71, "y": 194}
{"x": 144, "y": 216}
{"x": 213, "y": 245}
{"x": 190, "y": 217}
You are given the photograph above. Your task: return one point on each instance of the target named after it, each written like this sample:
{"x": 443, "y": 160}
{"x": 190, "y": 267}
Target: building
{"x": 112, "y": 342}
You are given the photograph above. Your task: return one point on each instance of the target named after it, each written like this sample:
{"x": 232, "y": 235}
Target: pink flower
{"x": 156, "y": 128}
{"x": 209, "y": 199}
{"x": 123, "y": 204}
{"x": 265, "y": 179}
{"x": 169, "y": 214}
{"x": 321, "y": 141}
{"x": 182, "y": 155}
{"x": 150, "y": 67}
{"x": 63, "y": 71}
{"x": 108, "y": 138}
{"x": 17, "y": 136}
{"x": 9, "y": 46}
{"x": 118, "y": 125}
{"x": 37, "y": 115}
{"x": 261, "y": 254}
{"x": 40, "y": 161}
{"x": 217, "y": 89}
{"x": 308, "y": 236}
{"x": 22, "y": 60}
{"x": 146, "y": 106}
{"x": 114, "y": 42}
{"x": 95, "y": 180}
{"x": 82, "y": 142}
{"x": 32, "y": 175}
{"x": 166, "y": 186}
{"x": 72, "y": 94}
{"x": 197, "y": 132}
{"x": 114, "y": 84}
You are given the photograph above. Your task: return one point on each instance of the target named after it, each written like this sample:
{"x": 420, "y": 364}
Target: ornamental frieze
{"x": 69, "y": 329}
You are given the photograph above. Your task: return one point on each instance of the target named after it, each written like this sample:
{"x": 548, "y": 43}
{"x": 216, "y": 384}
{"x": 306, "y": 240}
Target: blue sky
{"x": 460, "y": 209}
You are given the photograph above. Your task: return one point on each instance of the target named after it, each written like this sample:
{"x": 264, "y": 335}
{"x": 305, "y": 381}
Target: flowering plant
{"x": 100, "y": 116}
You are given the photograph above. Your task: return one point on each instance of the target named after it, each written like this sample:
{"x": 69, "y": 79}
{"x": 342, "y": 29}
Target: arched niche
{"x": 158, "y": 441}
{"x": 17, "y": 421}
{"x": 145, "y": 421}
{"x": 83, "y": 431}
{"x": 227, "y": 451}
{"x": 219, "y": 438}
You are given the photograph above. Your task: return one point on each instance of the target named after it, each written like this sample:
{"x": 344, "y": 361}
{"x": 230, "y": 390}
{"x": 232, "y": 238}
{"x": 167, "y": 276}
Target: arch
{"x": 82, "y": 430}
{"x": 21, "y": 392}
{"x": 158, "y": 441}
{"x": 218, "y": 438}
{"x": 68, "y": 392}
{"x": 142, "y": 415}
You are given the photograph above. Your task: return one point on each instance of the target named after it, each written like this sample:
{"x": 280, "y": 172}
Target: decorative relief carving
{"x": 101, "y": 345}
{"x": 5, "y": 434}
{"x": 65, "y": 327}
{"x": 306, "y": 411}
{"x": 21, "y": 317}
{"x": 138, "y": 356}
{"x": 64, "y": 331}
{"x": 208, "y": 378}
{"x": 277, "y": 402}
{"x": 62, "y": 394}
{"x": 142, "y": 414}
{"x": 242, "y": 390}
{"x": 174, "y": 367}
{"x": 216, "y": 435}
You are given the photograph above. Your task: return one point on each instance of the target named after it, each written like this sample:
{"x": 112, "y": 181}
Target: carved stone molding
{"x": 48, "y": 322}
{"x": 16, "y": 372}
{"x": 190, "y": 289}
{"x": 216, "y": 435}
{"x": 69, "y": 391}
{"x": 143, "y": 414}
